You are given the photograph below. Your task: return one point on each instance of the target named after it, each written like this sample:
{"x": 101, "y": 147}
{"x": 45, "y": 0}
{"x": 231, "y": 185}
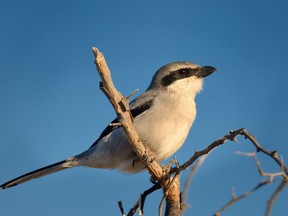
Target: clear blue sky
{"x": 51, "y": 107}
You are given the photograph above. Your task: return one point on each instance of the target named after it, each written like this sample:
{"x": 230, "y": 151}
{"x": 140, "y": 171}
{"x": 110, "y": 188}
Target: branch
{"x": 140, "y": 202}
{"x": 270, "y": 176}
{"x": 274, "y": 196}
{"x": 236, "y": 198}
{"x": 121, "y": 107}
{"x": 259, "y": 148}
{"x": 273, "y": 154}
{"x": 231, "y": 136}
{"x": 173, "y": 197}
{"x": 188, "y": 182}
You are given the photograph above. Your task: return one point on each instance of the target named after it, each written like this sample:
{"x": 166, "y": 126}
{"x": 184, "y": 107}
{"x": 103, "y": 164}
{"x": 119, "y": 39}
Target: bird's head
{"x": 180, "y": 76}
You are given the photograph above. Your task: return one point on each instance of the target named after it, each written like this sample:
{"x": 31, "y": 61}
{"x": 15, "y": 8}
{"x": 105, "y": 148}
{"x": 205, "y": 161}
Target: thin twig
{"x": 134, "y": 92}
{"x": 274, "y": 196}
{"x": 161, "y": 206}
{"x": 271, "y": 176}
{"x": 231, "y": 136}
{"x": 272, "y": 154}
{"x": 188, "y": 181}
{"x": 140, "y": 202}
{"x": 236, "y": 198}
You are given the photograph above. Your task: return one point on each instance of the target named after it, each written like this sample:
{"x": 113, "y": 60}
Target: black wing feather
{"x": 135, "y": 112}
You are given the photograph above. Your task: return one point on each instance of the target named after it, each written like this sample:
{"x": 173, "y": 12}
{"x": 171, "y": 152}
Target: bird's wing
{"x": 137, "y": 107}
{"x": 141, "y": 104}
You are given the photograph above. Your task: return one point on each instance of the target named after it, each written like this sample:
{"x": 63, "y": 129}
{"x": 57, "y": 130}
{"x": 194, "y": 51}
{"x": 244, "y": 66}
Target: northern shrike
{"x": 163, "y": 116}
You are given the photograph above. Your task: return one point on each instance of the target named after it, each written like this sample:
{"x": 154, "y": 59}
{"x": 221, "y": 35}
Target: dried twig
{"x": 274, "y": 196}
{"x": 260, "y": 148}
{"x": 275, "y": 157}
{"x": 231, "y": 136}
{"x": 140, "y": 202}
{"x": 270, "y": 176}
{"x": 188, "y": 182}
{"x": 160, "y": 208}
{"x": 236, "y": 198}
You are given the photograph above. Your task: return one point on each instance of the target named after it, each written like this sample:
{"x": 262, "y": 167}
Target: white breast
{"x": 165, "y": 126}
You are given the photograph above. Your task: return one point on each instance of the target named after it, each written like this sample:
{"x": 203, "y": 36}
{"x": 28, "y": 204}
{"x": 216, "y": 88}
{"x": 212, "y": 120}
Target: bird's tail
{"x": 70, "y": 162}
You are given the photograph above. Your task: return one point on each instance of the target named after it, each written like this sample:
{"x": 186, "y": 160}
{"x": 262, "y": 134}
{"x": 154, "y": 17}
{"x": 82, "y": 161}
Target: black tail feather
{"x": 70, "y": 162}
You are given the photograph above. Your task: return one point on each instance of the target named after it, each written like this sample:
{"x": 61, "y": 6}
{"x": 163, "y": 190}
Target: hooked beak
{"x": 205, "y": 71}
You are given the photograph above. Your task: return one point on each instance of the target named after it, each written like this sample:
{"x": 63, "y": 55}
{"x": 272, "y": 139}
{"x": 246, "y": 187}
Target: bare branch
{"x": 273, "y": 154}
{"x": 121, "y": 107}
{"x": 140, "y": 202}
{"x": 236, "y": 198}
{"x": 188, "y": 182}
{"x": 134, "y": 92}
{"x": 173, "y": 197}
{"x": 271, "y": 176}
{"x": 274, "y": 196}
{"x": 161, "y": 206}
{"x": 259, "y": 148}
{"x": 231, "y": 136}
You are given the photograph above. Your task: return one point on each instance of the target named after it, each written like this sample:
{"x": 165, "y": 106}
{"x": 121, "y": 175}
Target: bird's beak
{"x": 205, "y": 71}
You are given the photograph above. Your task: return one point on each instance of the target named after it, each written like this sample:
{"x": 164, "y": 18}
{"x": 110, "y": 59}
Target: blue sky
{"x": 51, "y": 107}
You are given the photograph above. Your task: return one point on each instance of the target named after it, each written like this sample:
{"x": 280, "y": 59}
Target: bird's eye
{"x": 183, "y": 71}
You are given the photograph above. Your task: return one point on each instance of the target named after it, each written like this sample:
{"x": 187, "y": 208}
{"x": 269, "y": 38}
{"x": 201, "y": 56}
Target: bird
{"x": 162, "y": 117}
